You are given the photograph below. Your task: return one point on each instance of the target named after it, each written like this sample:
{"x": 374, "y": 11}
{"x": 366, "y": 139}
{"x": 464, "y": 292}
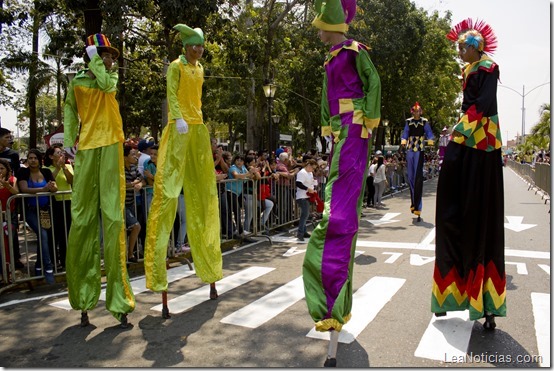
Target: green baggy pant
{"x": 185, "y": 162}
{"x": 98, "y": 188}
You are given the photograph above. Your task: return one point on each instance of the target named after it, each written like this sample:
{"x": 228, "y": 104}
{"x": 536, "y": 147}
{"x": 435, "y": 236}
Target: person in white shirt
{"x": 379, "y": 181}
{"x": 144, "y": 149}
{"x": 369, "y": 182}
{"x": 305, "y": 185}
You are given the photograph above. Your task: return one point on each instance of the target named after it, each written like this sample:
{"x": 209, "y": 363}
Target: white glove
{"x": 328, "y": 138}
{"x": 182, "y": 126}
{"x": 91, "y": 51}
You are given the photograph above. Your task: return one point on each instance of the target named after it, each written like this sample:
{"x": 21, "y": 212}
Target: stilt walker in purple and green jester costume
{"x": 350, "y": 109}
{"x": 91, "y": 112}
{"x": 185, "y": 162}
{"x": 416, "y": 131}
{"x": 469, "y": 269}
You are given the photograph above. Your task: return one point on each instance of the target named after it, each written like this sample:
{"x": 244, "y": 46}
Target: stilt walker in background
{"x": 185, "y": 162}
{"x": 92, "y": 113}
{"x": 416, "y": 131}
{"x": 350, "y": 109}
{"x": 469, "y": 267}
{"x": 443, "y": 142}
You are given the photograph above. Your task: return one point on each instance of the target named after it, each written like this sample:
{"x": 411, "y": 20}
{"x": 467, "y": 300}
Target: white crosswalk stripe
{"x": 269, "y": 306}
{"x": 446, "y": 338}
{"x": 541, "y": 312}
{"x": 202, "y": 294}
{"x": 138, "y": 285}
{"x": 367, "y": 302}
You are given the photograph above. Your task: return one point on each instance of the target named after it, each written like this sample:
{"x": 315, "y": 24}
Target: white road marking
{"x": 385, "y": 219}
{"x": 138, "y": 285}
{"x": 202, "y": 294}
{"x": 541, "y": 312}
{"x": 428, "y": 239}
{"x": 515, "y": 224}
{"x": 395, "y": 245}
{"x": 521, "y": 268}
{"x": 545, "y": 268}
{"x": 368, "y": 301}
{"x": 264, "y": 309}
{"x": 292, "y": 251}
{"x": 446, "y": 338}
{"x": 431, "y": 247}
{"x": 287, "y": 239}
{"x": 418, "y": 260}
{"x": 393, "y": 257}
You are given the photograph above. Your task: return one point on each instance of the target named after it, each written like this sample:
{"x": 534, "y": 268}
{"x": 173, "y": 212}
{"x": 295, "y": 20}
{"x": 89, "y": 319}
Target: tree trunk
{"x": 93, "y": 17}
{"x": 309, "y": 130}
{"x": 32, "y": 88}
{"x": 121, "y": 88}
{"x": 59, "y": 76}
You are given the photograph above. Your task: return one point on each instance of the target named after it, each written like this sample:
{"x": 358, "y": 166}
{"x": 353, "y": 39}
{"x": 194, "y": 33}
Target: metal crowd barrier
{"x": 236, "y": 212}
{"x": 538, "y": 176}
{"x": 54, "y": 237}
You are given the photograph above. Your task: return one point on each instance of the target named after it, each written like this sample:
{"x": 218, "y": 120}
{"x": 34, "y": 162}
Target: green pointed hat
{"x": 334, "y": 15}
{"x": 189, "y": 35}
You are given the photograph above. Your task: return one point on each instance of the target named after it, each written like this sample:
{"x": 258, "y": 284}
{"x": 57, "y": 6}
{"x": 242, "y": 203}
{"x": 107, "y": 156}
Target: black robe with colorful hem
{"x": 469, "y": 267}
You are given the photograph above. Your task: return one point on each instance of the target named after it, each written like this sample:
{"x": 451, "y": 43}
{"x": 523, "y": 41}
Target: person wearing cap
{"x": 469, "y": 272}
{"x": 91, "y": 112}
{"x": 185, "y": 162}
{"x": 143, "y": 147}
{"x": 416, "y": 131}
{"x": 350, "y": 109}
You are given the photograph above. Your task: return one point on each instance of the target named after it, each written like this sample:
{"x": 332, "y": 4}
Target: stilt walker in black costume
{"x": 469, "y": 267}
{"x": 416, "y": 131}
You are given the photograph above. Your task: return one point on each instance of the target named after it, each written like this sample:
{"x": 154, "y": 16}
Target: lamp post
{"x": 275, "y": 119}
{"x": 523, "y": 95}
{"x": 269, "y": 92}
{"x": 386, "y": 123}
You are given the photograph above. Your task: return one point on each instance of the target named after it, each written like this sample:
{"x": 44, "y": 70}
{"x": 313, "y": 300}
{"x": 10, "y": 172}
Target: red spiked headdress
{"x": 475, "y": 33}
{"x": 416, "y": 107}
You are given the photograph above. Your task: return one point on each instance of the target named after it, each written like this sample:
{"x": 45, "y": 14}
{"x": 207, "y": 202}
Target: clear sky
{"x": 523, "y": 54}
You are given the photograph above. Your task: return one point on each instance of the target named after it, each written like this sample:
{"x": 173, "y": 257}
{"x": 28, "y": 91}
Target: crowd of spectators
{"x": 530, "y": 157}
{"x": 258, "y": 193}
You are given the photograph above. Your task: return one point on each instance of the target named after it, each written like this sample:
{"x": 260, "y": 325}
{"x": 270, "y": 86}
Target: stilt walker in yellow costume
{"x": 185, "y": 161}
{"x": 91, "y": 100}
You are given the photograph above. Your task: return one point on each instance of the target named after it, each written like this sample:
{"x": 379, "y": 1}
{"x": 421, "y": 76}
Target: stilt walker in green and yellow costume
{"x": 185, "y": 162}
{"x": 351, "y": 102}
{"x": 98, "y": 186}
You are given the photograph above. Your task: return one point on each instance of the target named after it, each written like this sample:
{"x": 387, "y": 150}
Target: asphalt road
{"x": 261, "y": 319}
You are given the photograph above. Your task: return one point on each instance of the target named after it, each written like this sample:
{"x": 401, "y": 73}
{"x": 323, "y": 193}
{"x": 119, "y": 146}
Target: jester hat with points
{"x": 334, "y": 15}
{"x": 190, "y": 36}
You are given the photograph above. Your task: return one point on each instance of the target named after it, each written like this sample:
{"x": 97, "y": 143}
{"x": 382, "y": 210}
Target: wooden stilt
{"x": 165, "y": 308}
{"x": 331, "y": 360}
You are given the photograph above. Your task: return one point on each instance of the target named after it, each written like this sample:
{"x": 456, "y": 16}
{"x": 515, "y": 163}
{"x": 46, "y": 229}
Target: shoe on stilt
{"x": 84, "y": 319}
{"x": 123, "y": 323}
{"x": 213, "y": 293}
{"x": 489, "y": 324}
{"x": 330, "y": 362}
{"x": 418, "y": 218}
